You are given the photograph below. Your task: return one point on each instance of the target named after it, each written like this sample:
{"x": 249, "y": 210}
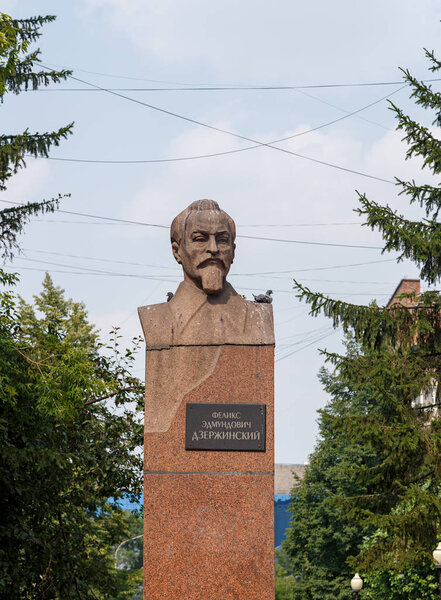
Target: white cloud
{"x": 27, "y": 183}
{"x": 263, "y": 185}
{"x": 254, "y": 41}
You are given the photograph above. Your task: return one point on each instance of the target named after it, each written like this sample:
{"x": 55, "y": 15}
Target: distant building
{"x": 413, "y": 286}
{"x": 406, "y": 286}
{"x": 284, "y": 481}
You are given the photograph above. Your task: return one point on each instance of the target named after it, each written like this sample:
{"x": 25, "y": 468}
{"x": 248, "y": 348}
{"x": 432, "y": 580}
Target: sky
{"x": 161, "y": 61}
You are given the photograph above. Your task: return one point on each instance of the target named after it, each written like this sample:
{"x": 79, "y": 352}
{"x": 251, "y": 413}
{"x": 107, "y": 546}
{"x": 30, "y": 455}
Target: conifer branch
{"x": 420, "y": 140}
{"x": 13, "y": 220}
{"x": 13, "y": 149}
{"x": 427, "y": 196}
{"x": 423, "y": 94}
{"x": 419, "y": 241}
{"x": 375, "y": 326}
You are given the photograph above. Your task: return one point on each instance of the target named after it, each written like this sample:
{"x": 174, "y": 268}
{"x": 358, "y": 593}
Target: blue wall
{"x": 281, "y": 517}
{"x": 281, "y": 514}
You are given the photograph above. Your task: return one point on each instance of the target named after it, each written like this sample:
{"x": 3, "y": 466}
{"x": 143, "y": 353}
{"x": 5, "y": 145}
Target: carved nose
{"x": 212, "y": 246}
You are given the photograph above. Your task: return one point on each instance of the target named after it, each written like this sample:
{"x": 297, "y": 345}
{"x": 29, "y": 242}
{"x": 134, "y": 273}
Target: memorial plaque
{"x": 240, "y": 427}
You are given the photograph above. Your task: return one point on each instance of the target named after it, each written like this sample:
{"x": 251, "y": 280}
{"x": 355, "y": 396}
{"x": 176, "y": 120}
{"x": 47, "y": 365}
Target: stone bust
{"x": 205, "y": 310}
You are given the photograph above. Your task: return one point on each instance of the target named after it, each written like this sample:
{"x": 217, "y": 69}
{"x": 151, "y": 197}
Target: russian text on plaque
{"x": 240, "y": 427}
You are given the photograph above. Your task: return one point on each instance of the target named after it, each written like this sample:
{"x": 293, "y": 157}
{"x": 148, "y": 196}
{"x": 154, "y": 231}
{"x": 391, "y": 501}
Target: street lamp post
{"x": 357, "y": 584}
{"x": 437, "y": 562}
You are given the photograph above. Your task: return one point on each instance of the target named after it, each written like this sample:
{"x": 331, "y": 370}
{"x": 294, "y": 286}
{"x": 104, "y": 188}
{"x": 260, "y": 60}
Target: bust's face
{"x": 206, "y": 250}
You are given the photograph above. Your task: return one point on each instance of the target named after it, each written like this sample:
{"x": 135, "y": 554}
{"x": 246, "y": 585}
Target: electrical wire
{"x": 309, "y": 243}
{"x": 370, "y": 262}
{"x": 309, "y": 95}
{"x": 108, "y": 260}
{"x": 42, "y": 220}
{"x": 238, "y": 86}
{"x": 233, "y": 151}
{"x": 81, "y": 270}
{"x": 220, "y": 130}
{"x": 177, "y": 270}
{"x": 251, "y": 237}
{"x": 292, "y": 271}
{"x": 91, "y": 271}
{"x": 304, "y": 347}
{"x": 281, "y": 348}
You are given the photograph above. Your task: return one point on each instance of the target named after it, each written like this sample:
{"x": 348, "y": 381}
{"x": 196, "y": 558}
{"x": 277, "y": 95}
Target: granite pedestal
{"x": 209, "y": 517}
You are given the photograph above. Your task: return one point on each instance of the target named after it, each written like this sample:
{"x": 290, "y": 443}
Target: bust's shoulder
{"x": 152, "y": 311}
{"x": 156, "y": 322}
{"x": 260, "y": 322}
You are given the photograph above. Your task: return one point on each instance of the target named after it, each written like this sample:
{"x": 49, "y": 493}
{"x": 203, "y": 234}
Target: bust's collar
{"x": 189, "y": 299}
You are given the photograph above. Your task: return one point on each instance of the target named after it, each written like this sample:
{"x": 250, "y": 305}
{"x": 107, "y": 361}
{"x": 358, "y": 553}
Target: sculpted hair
{"x": 179, "y": 223}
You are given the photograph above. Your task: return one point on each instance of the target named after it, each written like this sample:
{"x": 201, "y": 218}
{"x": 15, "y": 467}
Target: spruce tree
{"x": 400, "y": 358}
{"x": 321, "y": 537}
{"x": 20, "y": 71}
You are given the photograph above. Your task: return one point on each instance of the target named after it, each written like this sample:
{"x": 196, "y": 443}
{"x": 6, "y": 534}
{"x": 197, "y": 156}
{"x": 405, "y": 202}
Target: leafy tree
{"x": 401, "y": 357}
{"x": 284, "y": 581}
{"x": 129, "y": 557}
{"x": 64, "y": 453}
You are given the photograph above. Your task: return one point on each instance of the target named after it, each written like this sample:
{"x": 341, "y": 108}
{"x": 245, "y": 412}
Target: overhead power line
{"x": 80, "y": 270}
{"x": 309, "y": 243}
{"x": 251, "y": 237}
{"x": 131, "y": 263}
{"x": 347, "y": 112}
{"x": 315, "y": 341}
{"x": 232, "y": 151}
{"x": 216, "y": 86}
{"x": 195, "y": 89}
{"x": 42, "y": 220}
{"x": 230, "y": 133}
{"x": 359, "y": 264}
{"x": 107, "y": 260}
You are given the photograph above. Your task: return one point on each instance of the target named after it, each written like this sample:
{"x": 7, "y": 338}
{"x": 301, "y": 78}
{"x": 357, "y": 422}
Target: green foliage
{"x": 64, "y": 454}
{"x": 128, "y": 558}
{"x": 16, "y": 67}
{"x": 284, "y": 583}
{"x": 13, "y": 149}
{"x": 13, "y": 220}
{"x": 416, "y": 583}
{"x": 399, "y": 495}
{"x": 70, "y": 411}
{"x": 17, "y": 74}
{"x": 322, "y": 537}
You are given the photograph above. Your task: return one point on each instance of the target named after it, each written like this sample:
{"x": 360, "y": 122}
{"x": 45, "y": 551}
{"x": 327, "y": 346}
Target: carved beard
{"x": 212, "y": 278}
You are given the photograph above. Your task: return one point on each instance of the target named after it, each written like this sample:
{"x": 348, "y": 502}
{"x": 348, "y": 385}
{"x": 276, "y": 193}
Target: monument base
{"x": 209, "y": 514}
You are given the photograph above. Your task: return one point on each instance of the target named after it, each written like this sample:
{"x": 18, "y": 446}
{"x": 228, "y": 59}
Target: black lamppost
{"x": 357, "y": 584}
{"x": 437, "y": 563}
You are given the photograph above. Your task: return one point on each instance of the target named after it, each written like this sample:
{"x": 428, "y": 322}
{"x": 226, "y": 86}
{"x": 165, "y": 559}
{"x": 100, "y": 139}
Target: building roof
{"x": 406, "y": 286}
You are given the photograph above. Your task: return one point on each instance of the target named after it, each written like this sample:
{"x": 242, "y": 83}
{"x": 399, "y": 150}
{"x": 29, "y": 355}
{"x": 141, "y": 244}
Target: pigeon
{"x": 264, "y": 298}
{"x": 169, "y": 296}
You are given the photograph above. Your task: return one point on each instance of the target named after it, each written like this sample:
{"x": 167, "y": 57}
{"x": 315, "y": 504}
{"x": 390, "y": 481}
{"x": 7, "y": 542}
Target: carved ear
{"x": 234, "y": 252}
{"x": 175, "y": 250}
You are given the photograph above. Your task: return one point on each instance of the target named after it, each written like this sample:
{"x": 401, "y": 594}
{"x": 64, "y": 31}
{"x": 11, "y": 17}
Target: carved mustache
{"x": 211, "y": 261}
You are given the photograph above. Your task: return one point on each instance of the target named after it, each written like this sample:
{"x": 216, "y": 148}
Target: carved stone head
{"x": 202, "y": 239}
